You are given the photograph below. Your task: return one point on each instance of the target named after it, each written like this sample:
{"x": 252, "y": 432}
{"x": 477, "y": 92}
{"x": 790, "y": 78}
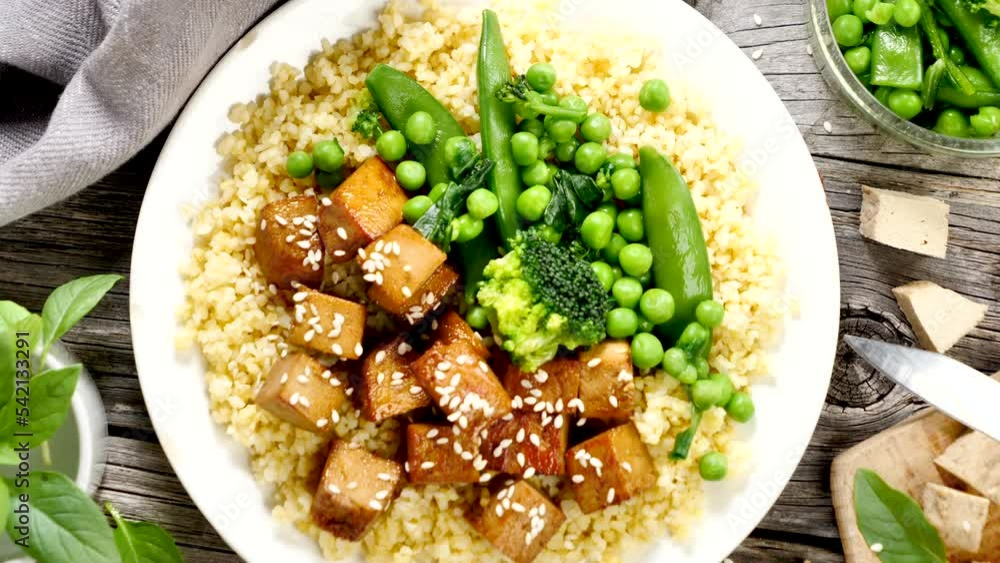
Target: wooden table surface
{"x": 92, "y": 233}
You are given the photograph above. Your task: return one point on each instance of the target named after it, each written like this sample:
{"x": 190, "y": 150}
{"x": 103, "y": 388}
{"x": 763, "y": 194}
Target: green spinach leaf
{"x": 70, "y": 302}
{"x": 891, "y": 518}
{"x": 142, "y": 542}
{"x": 50, "y": 400}
{"x": 66, "y": 526}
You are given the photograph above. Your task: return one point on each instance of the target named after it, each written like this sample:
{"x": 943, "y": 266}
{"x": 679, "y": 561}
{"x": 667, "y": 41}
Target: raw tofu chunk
{"x": 607, "y": 390}
{"x": 288, "y": 245}
{"x": 959, "y": 517}
{"x": 461, "y": 384}
{"x": 302, "y": 392}
{"x": 452, "y": 328}
{"x": 328, "y": 324}
{"x": 908, "y": 222}
{"x": 552, "y": 389}
{"x": 522, "y": 444}
{"x": 398, "y": 265}
{"x": 429, "y": 297}
{"x": 388, "y": 387}
{"x": 610, "y": 468}
{"x": 939, "y": 316}
{"x": 975, "y": 460}
{"x": 366, "y": 206}
{"x": 519, "y": 521}
{"x": 356, "y": 487}
{"x": 440, "y": 455}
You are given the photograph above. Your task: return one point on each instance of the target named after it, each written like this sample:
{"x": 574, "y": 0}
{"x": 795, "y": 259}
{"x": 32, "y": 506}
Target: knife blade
{"x": 957, "y": 390}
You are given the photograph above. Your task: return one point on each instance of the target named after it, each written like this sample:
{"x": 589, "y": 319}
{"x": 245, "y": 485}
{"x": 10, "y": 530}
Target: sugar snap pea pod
{"x": 398, "y": 97}
{"x": 932, "y": 83}
{"x": 981, "y": 38}
{"x": 498, "y": 125}
{"x": 985, "y": 94}
{"x": 933, "y": 33}
{"x": 897, "y": 57}
{"x": 680, "y": 256}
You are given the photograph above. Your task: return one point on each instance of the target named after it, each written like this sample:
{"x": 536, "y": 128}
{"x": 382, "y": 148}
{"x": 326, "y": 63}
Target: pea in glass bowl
{"x": 834, "y": 69}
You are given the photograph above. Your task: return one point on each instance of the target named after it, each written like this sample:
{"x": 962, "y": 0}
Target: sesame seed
{"x": 284, "y": 378}
{"x": 339, "y": 253}
{"x": 416, "y": 390}
{"x": 334, "y": 489}
{"x": 442, "y": 441}
{"x": 382, "y": 495}
{"x": 526, "y": 384}
{"x": 518, "y": 507}
{"x": 337, "y": 349}
{"x": 535, "y": 440}
{"x": 281, "y": 220}
{"x": 342, "y": 233}
{"x": 578, "y": 479}
{"x": 581, "y": 422}
{"x": 294, "y": 400}
{"x": 375, "y": 505}
{"x": 499, "y": 510}
{"x": 384, "y": 477}
{"x": 613, "y": 400}
{"x": 542, "y": 376}
{"x": 309, "y": 335}
{"x": 485, "y": 478}
{"x": 358, "y": 349}
{"x": 321, "y": 423}
{"x": 529, "y": 473}
{"x": 327, "y": 202}
{"x": 433, "y": 433}
{"x": 594, "y": 363}
{"x": 303, "y": 244}
{"x": 877, "y": 547}
{"x": 380, "y": 378}
{"x": 352, "y": 485}
{"x": 427, "y": 465}
{"x": 520, "y": 436}
{"x": 611, "y": 495}
{"x": 304, "y": 401}
{"x": 627, "y": 466}
{"x": 520, "y": 459}
{"x": 558, "y": 423}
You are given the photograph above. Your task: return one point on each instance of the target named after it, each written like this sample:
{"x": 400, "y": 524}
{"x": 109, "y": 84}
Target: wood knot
{"x": 855, "y": 383}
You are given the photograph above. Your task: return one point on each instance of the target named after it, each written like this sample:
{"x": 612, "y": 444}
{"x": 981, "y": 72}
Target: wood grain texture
{"x": 93, "y": 232}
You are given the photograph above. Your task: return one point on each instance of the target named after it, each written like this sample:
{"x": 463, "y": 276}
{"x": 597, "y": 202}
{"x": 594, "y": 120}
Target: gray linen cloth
{"x": 126, "y": 68}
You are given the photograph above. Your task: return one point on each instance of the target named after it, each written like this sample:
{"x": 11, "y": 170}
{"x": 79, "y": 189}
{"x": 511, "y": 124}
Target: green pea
{"x": 541, "y": 77}
{"x": 630, "y": 225}
{"x": 740, "y": 407}
{"x": 411, "y": 175}
{"x": 328, "y": 180}
{"x": 647, "y": 350}
{"x": 536, "y": 174}
{"x": 706, "y": 393}
{"x": 861, "y": 8}
{"x": 727, "y": 387}
{"x": 645, "y": 325}
{"x": 619, "y": 274}
{"x": 575, "y": 103}
{"x": 957, "y": 54}
{"x": 882, "y": 94}
{"x": 560, "y": 130}
{"x": 549, "y": 234}
{"x": 986, "y": 123}
{"x": 636, "y": 259}
{"x": 596, "y": 128}
{"x": 420, "y": 128}
{"x": 710, "y": 313}
{"x": 328, "y": 156}
{"x": 657, "y": 305}
{"x": 524, "y": 148}
{"x": 438, "y": 191}
{"x": 614, "y": 248}
{"x": 905, "y": 103}
{"x": 701, "y": 366}
{"x": 694, "y": 335}
{"x": 622, "y": 160}
{"x": 478, "y": 318}
{"x": 415, "y": 208}
{"x": 627, "y": 292}
{"x": 622, "y": 323}
{"x": 654, "y": 96}
{"x": 596, "y": 230}
{"x": 713, "y": 466}
{"x": 626, "y": 183}
{"x": 533, "y": 126}
{"x": 466, "y": 227}
{"x": 482, "y": 203}
{"x": 646, "y": 279}
{"x": 456, "y": 146}
{"x": 299, "y": 164}
{"x": 610, "y": 208}
{"x": 907, "y": 13}
{"x": 675, "y": 361}
{"x": 590, "y": 157}
{"x": 550, "y": 97}
{"x": 565, "y": 152}
{"x": 391, "y": 146}
{"x": 848, "y": 30}
{"x": 689, "y": 376}
{"x": 532, "y": 202}
{"x": 881, "y": 13}
{"x": 604, "y": 274}
{"x": 858, "y": 59}
{"x": 837, "y": 8}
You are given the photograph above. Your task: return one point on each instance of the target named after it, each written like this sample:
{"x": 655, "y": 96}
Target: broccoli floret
{"x": 541, "y": 296}
{"x": 368, "y": 124}
{"x": 518, "y": 91}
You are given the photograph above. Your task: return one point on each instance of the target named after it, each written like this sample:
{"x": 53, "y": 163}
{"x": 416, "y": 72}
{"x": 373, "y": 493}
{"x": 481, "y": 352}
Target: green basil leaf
{"x": 65, "y": 525}
{"x": 4, "y": 504}
{"x": 142, "y": 542}
{"x": 7, "y": 454}
{"x": 891, "y": 518}
{"x": 8, "y": 362}
{"x": 50, "y": 401}
{"x": 70, "y": 302}
{"x": 11, "y": 313}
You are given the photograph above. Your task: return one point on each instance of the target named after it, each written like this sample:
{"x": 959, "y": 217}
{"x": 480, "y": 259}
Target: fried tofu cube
{"x": 366, "y": 206}
{"x": 610, "y": 468}
{"x": 905, "y": 221}
{"x": 304, "y": 393}
{"x": 940, "y": 317}
{"x": 388, "y": 387}
{"x": 288, "y": 246}
{"x": 461, "y": 384}
{"x": 452, "y": 327}
{"x": 519, "y": 520}
{"x": 441, "y": 455}
{"x": 975, "y": 460}
{"x": 552, "y": 389}
{"x": 356, "y": 487}
{"x": 429, "y": 297}
{"x": 328, "y": 324}
{"x": 959, "y": 517}
{"x": 525, "y": 444}
{"x": 398, "y": 265}
{"x": 607, "y": 391}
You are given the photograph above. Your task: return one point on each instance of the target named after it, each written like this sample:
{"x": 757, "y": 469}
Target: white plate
{"x": 792, "y": 206}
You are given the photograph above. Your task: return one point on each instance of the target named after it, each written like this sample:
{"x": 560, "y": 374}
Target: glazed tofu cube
{"x": 388, "y": 387}
{"x": 959, "y": 517}
{"x": 552, "y": 389}
{"x": 524, "y": 444}
{"x": 288, "y": 246}
{"x": 610, "y": 468}
{"x": 452, "y": 327}
{"x": 940, "y": 317}
{"x": 518, "y": 520}
{"x": 461, "y": 384}
{"x": 356, "y": 487}
{"x": 304, "y": 393}
{"x": 398, "y": 265}
{"x": 429, "y": 297}
{"x": 975, "y": 460}
{"x": 328, "y": 324}
{"x": 905, "y": 221}
{"x": 607, "y": 391}
{"x": 439, "y": 455}
{"x": 366, "y": 206}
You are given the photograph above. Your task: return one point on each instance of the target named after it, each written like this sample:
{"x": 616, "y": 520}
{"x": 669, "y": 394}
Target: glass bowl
{"x": 834, "y": 69}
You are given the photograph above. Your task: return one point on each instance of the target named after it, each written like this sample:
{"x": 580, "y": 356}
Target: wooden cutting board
{"x": 904, "y": 457}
